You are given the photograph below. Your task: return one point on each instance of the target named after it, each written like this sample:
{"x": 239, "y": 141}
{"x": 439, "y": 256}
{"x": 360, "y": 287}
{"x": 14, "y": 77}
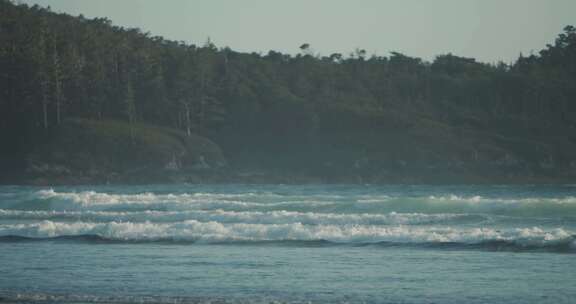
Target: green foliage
{"x": 111, "y": 146}
{"x": 267, "y": 109}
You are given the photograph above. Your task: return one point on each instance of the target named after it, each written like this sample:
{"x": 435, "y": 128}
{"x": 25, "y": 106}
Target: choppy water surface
{"x": 257, "y": 244}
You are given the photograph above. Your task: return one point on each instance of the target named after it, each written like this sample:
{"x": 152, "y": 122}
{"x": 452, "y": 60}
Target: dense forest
{"x": 84, "y": 99}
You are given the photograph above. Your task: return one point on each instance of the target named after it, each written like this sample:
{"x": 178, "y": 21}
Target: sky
{"x": 488, "y": 30}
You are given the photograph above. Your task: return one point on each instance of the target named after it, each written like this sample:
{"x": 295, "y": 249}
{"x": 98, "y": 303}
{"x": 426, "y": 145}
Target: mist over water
{"x": 469, "y": 233}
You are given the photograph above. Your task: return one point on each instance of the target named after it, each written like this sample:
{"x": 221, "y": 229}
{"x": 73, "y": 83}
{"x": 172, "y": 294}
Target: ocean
{"x": 288, "y": 244}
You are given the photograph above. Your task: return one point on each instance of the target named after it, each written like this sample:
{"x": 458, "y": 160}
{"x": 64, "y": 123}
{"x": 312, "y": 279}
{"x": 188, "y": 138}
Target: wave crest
{"x": 256, "y": 217}
{"x": 345, "y": 204}
{"x": 349, "y": 234}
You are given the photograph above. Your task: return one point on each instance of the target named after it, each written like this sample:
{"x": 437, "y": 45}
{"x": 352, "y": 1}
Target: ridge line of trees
{"x": 55, "y": 66}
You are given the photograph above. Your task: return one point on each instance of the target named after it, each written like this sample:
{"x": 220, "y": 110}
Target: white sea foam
{"x": 338, "y": 204}
{"x": 477, "y": 204}
{"x": 255, "y": 217}
{"x": 193, "y": 230}
{"x": 90, "y": 200}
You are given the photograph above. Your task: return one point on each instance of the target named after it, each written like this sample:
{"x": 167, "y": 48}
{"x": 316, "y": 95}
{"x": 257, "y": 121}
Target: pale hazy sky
{"x": 489, "y": 30}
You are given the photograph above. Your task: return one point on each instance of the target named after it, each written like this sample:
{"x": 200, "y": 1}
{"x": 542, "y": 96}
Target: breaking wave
{"x": 345, "y": 204}
{"x": 270, "y": 217}
{"x": 215, "y": 232}
{"x": 255, "y": 217}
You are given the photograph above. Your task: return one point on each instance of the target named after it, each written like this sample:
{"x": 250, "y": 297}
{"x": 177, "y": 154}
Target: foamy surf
{"x": 243, "y": 244}
{"x": 256, "y": 217}
{"x": 216, "y": 232}
{"x": 347, "y": 203}
{"x": 342, "y": 217}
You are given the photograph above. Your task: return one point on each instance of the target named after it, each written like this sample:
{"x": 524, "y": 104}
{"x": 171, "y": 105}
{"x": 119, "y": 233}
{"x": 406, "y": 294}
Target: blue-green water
{"x": 295, "y": 244}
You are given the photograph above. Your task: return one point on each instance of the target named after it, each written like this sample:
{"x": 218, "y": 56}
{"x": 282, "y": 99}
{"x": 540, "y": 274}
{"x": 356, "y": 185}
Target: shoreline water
{"x": 218, "y": 243}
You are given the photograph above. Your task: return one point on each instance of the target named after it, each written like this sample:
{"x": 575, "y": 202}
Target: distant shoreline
{"x": 274, "y": 179}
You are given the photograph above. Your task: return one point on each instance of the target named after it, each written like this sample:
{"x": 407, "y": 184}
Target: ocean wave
{"x": 255, "y": 217}
{"x": 350, "y": 204}
{"x": 477, "y": 205}
{"x": 215, "y": 232}
{"x": 98, "y": 201}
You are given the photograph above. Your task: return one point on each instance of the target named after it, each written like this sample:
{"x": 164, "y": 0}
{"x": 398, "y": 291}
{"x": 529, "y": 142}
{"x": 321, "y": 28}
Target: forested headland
{"x": 83, "y": 100}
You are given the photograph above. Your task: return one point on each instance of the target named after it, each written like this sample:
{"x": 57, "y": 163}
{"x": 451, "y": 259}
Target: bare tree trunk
{"x": 202, "y": 113}
{"x": 202, "y": 98}
{"x": 130, "y": 108}
{"x": 44, "y": 87}
{"x": 225, "y": 53}
{"x": 178, "y": 120}
{"x": 188, "y": 120}
{"x": 58, "y": 101}
{"x": 57, "y": 83}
